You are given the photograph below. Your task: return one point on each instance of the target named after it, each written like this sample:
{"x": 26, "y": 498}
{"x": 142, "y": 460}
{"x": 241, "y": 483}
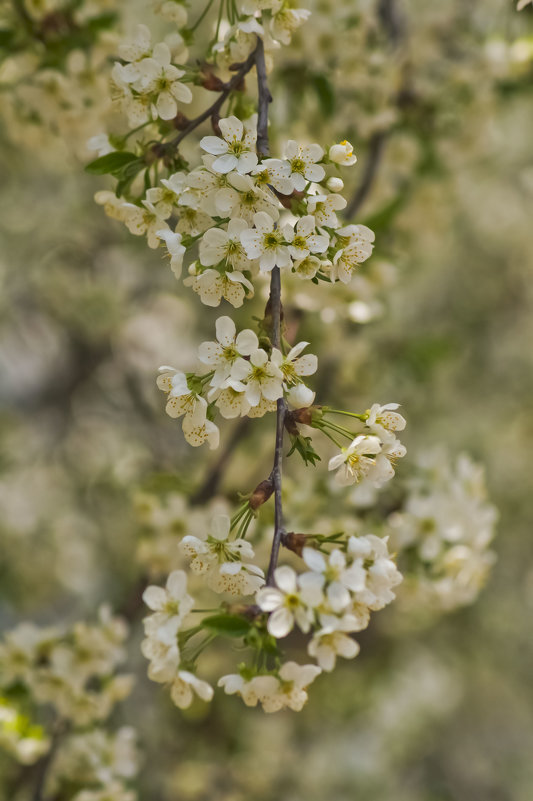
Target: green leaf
{"x": 227, "y": 625}
{"x": 110, "y": 163}
{"x": 303, "y": 446}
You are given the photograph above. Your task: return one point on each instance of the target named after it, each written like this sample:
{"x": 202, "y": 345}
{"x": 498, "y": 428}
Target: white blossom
{"x": 185, "y": 685}
{"x": 230, "y": 398}
{"x": 145, "y": 219}
{"x": 140, "y": 47}
{"x": 223, "y": 354}
{"x": 212, "y": 286}
{"x": 198, "y": 432}
{"x": 218, "y": 245}
{"x": 175, "y": 249}
{"x": 160, "y": 78}
{"x": 236, "y": 150}
{"x": 295, "y": 366}
{"x": 381, "y": 572}
{"x": 262, "y": 376}
{"x": 326, "y": 645}
{"x": 335, "y": 575}
{"x": 324, "y": 208}
{"x": 355, "y": 461}
{"x": 357, "y": 245}
{"x": 287, "y": 689}
{"x": 222, "y": 560}
{"x": 289, "y": 602}
{"x": 181, "y": 399}
{"x": 170, "y": 606}
{"x": 266, "y": 243}
{"x": 303, "y": 164}
{"x": 164, "y": 197}
{"x": 286, "y": 21}
{"x": 303, "y": 239}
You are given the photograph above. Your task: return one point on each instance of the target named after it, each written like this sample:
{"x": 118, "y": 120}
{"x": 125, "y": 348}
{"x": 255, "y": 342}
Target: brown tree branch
{"x": 263, "y": 149}
{"x": 376, "y": 148}
{"x": 393, "y": 23}
{"x": 214, "y": 108}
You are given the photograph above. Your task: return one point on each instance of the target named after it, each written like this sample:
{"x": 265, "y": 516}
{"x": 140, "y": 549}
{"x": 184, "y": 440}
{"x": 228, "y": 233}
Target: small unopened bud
{"x": 342, "y": 154}
{"x": 294, "y": 542}
{"x": 335, "y": 184}
{"x": 306, "y": 415}
{"x": 261, "y": 494}
{"x": 154, "y": 153}
{"x": 246, "y": 610}
{"x": 213, "y": 83}
{"x": 181, "y": 121}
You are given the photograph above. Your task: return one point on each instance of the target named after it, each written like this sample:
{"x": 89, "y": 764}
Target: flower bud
{"x": 335, "y": 184}
{"x": 294, "y": 542}
{"x": 261, "y": 494}
{"x": 342, "y": 154}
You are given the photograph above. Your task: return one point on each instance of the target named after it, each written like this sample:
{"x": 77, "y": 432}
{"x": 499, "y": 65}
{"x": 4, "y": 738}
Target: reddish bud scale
{"x": 213, "y": 83}
{"x": 294, "y": 542}
{"x": 261, "y": 494}
{"x": 180, "y": 121}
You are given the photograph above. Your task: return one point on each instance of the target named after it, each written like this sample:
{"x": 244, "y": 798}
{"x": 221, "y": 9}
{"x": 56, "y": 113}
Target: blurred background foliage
{"x": 436, "y": 99}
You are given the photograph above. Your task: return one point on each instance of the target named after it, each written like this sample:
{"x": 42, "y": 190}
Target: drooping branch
{"x": 376, "y": 149}
{"x": 276, "y": 474}
{"x": 264, "y": 98}
{"x": 209, "y": 487}
{"x": 263, "y": 149}
{"x": 393, "y": 24}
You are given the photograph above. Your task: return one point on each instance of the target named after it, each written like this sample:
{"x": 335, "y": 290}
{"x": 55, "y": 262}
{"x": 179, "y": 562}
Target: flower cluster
{"x": 170, "y": 608}
{"x": 225, "y": 563}
{"x": 329, "y": 600}
{"x": 275, "y": 21}
{"x": 444, "y": 530}
{"x": 333, "y": 598}
{"x": 74, "y": 670}
{"x": 243, "y": 379}
{"x": 102, "y": 761}
{"x": 286, "y": 688}
{"x": 247, "y": 215}
{"x": 146, "y": 82}
{"x": 54, "y": 71}
{"x": 372, "y": 454}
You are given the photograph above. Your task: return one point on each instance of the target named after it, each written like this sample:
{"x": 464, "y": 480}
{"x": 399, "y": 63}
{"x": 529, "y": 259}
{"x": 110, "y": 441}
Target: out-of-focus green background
{"x": 439, "y": 712}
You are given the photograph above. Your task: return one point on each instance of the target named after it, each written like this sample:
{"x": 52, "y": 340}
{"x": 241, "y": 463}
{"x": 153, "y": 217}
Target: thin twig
{"x": 263, "y": 146}
{"x": 43, "y": 766}
{"x": 276, "y": 474}
{"x": 263, "y": 150}
{"x": 209, "y": 488}
{"x": 376, "y": 148}
{"x": 213, "y": 109}
{"x": 393, "y": 24}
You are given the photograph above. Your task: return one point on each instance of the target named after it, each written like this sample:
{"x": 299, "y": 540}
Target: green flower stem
{"x": 202, "y": 16}
{"x": 361, "y": 417}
